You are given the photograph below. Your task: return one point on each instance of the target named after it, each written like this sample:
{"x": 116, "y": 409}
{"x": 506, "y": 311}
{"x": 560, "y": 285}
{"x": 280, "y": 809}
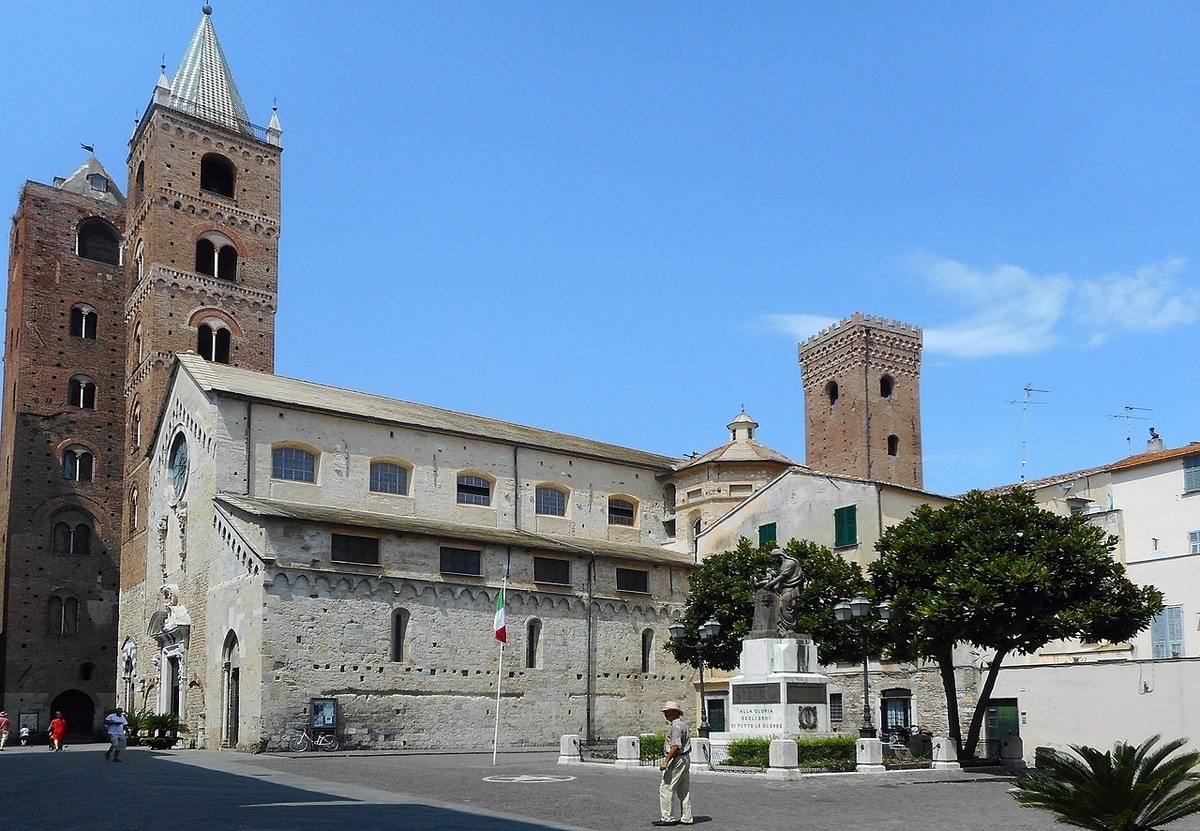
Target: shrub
{"x": 832, "y": 753}
{"x": 748, "y": 753}
{"x": 652, "y": 745}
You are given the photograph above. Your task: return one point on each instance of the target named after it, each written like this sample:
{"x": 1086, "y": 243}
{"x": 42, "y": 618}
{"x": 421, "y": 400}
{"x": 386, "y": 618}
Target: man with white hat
{"x": 676, "y": 767}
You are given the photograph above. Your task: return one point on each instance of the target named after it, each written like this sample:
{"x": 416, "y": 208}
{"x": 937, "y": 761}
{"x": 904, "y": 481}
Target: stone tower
{"x": 862, "y": 401}
{"x": 202, "y": 237}
{"x": 103, "y": 290}
{"x": 62, "y": 445}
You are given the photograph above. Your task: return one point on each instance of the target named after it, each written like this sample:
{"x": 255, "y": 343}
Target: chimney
{"x": 1155, "y": 444}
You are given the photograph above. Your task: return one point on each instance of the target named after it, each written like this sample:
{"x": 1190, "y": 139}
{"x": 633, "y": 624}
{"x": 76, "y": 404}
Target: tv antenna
{"x": 1025, "y": 401}
{"x": 1128, "y": 415}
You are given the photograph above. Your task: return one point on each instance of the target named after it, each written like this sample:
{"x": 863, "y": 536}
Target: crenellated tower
{"x": 202, "y": 236}
{"x": 862, "y": 401}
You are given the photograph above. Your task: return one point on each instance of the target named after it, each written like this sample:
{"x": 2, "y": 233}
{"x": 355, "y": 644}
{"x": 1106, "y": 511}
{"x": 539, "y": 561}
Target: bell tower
{"x": 202, "y": 235}
{"x": 862, "y": 400}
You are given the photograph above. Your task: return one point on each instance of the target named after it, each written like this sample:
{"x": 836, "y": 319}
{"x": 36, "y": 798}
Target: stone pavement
{"x": 196, "y": 789}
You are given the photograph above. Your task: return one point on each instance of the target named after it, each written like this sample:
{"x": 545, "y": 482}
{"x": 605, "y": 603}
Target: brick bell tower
{"x": 862, "y": 401}
{"x": 202, "y": 236}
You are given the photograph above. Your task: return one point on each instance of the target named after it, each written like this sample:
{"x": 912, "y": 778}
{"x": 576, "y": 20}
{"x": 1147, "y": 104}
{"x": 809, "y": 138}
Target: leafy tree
{"x": 1126, "y": 789}
{"x": 997, "y": 571}
{"x": 724, "y": 588}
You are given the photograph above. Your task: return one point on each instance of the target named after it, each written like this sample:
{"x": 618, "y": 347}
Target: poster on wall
{"x": 324, "y": 713}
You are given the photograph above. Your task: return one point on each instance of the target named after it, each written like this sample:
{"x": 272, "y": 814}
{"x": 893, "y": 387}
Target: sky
{"x": 617, "y": 220}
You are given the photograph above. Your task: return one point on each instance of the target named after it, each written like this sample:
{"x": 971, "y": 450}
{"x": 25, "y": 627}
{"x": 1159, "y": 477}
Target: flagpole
{"x": 499, "y": 674}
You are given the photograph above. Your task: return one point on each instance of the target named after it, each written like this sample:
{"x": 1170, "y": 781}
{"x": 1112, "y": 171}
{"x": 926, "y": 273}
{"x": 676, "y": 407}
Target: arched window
{"x": 135, "y": 425}
{"x": 133, "y": 509}
{"x": 399, "y": 633}
{"x": 533, "y": 644}
{"x": 206, "y": 257}
{"x": 389, "y": 477}
{"x": 550, "y": 501}
{"x": 64, "y": 614}
{"x": 216, "y": 256}
{"x": 81, "y": 392}
{"x": 77, "y": 464}
{"x": 72, "y": 538}
{"x": 831, "y": 391}
{"x": 647, "y": 646}
{"x": 217, "y": 175}
{"x": 294, "y": 464}
{"x": 140, "y": 261}
{"x": 621, "y": 511}
{"x": 886, "y": 384}
{"x": 83, "y": 322}
{"x": 212, "y": 342}
{"x": 893, "y": 445}
{"x": 137, "y": 341}
{"x": 97, "y": 240}
{"x": 474, "y": 490}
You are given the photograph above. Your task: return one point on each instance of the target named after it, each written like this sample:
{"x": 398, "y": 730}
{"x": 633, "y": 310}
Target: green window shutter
{"x": 845, "y": 526}
{"x": 766, "y": 534}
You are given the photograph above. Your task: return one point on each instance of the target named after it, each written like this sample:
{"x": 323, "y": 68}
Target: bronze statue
{"x": 784, "y": 583}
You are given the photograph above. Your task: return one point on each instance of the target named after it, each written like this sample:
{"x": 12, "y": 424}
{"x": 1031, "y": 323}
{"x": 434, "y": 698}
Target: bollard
{"x": 783, "y": 754}
{"x": 868, "y": 754}
{"x": 945, "y": 754}
{"x": 629, "y": 752}
{"x": 569, "y": 750}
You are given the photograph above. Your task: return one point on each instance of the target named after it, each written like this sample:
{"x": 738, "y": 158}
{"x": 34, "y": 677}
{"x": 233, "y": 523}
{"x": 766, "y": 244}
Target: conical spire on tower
{"x": 203, "y": 85}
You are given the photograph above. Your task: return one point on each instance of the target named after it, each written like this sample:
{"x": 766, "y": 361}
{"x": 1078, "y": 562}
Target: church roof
{"x": 449, "y": 530}
{"x": 203, "y": 85}
{"x": 307, "y": 395}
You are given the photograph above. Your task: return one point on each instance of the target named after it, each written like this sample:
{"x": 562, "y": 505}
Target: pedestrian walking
{"x": 115, "y": 723}
{"x": 5, "y": 726}
{"x": 676, "y": 769}
{"x": 58, "y": 729}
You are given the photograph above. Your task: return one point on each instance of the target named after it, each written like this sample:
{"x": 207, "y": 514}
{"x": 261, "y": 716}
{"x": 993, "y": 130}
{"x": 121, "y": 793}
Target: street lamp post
{"x": 857, "y": 609}
{"x": 708, "y": 632}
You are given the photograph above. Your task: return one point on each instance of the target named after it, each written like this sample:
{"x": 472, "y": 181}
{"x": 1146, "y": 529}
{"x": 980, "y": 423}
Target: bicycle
{"x": 307, "y": 739}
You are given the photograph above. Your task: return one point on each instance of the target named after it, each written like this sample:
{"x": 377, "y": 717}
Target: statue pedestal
{"x": 779, "y": 692}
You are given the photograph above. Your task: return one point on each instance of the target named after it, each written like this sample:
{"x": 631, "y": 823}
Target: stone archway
{"x": 79, "y": 710}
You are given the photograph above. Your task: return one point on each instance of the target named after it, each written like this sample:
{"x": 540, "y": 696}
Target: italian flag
{"x": 499, "y": 624}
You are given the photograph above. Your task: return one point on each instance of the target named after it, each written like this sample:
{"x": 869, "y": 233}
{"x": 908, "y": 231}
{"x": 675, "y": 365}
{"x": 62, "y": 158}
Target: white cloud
{"x": 800, "y": 327}
{"x": 1008, "y": 310}
{"x": 1148, "y": 300}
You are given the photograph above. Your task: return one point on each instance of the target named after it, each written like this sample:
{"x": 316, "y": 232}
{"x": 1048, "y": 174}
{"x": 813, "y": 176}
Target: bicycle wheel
{"x": 298, "y": 744}
{"x": 328, "y": 742}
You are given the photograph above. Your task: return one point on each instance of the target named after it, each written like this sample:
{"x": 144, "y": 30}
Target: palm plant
{"x": 1126, "y": 789}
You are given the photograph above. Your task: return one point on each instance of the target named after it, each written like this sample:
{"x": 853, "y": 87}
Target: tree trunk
{"x": 945, "y": 662}
{"x": 981, "y": 703}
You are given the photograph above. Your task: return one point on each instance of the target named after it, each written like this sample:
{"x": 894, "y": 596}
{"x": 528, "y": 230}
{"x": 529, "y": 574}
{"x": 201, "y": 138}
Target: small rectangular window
{"x": 835, "y": 707}
{"x": 1194, "y": 542}
{"x": 766, "y": 534}
{"x": 1166, "y": 633}
{"x": 633, "y": 580}
{"x": 741, "y": 490}
{"x": 547, "y": 570}
{"x": 1191, "y": 474}
{"x": 348, "y": 549}
{"x": 460, "y": 561}
{"x": 845, "y": 526}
